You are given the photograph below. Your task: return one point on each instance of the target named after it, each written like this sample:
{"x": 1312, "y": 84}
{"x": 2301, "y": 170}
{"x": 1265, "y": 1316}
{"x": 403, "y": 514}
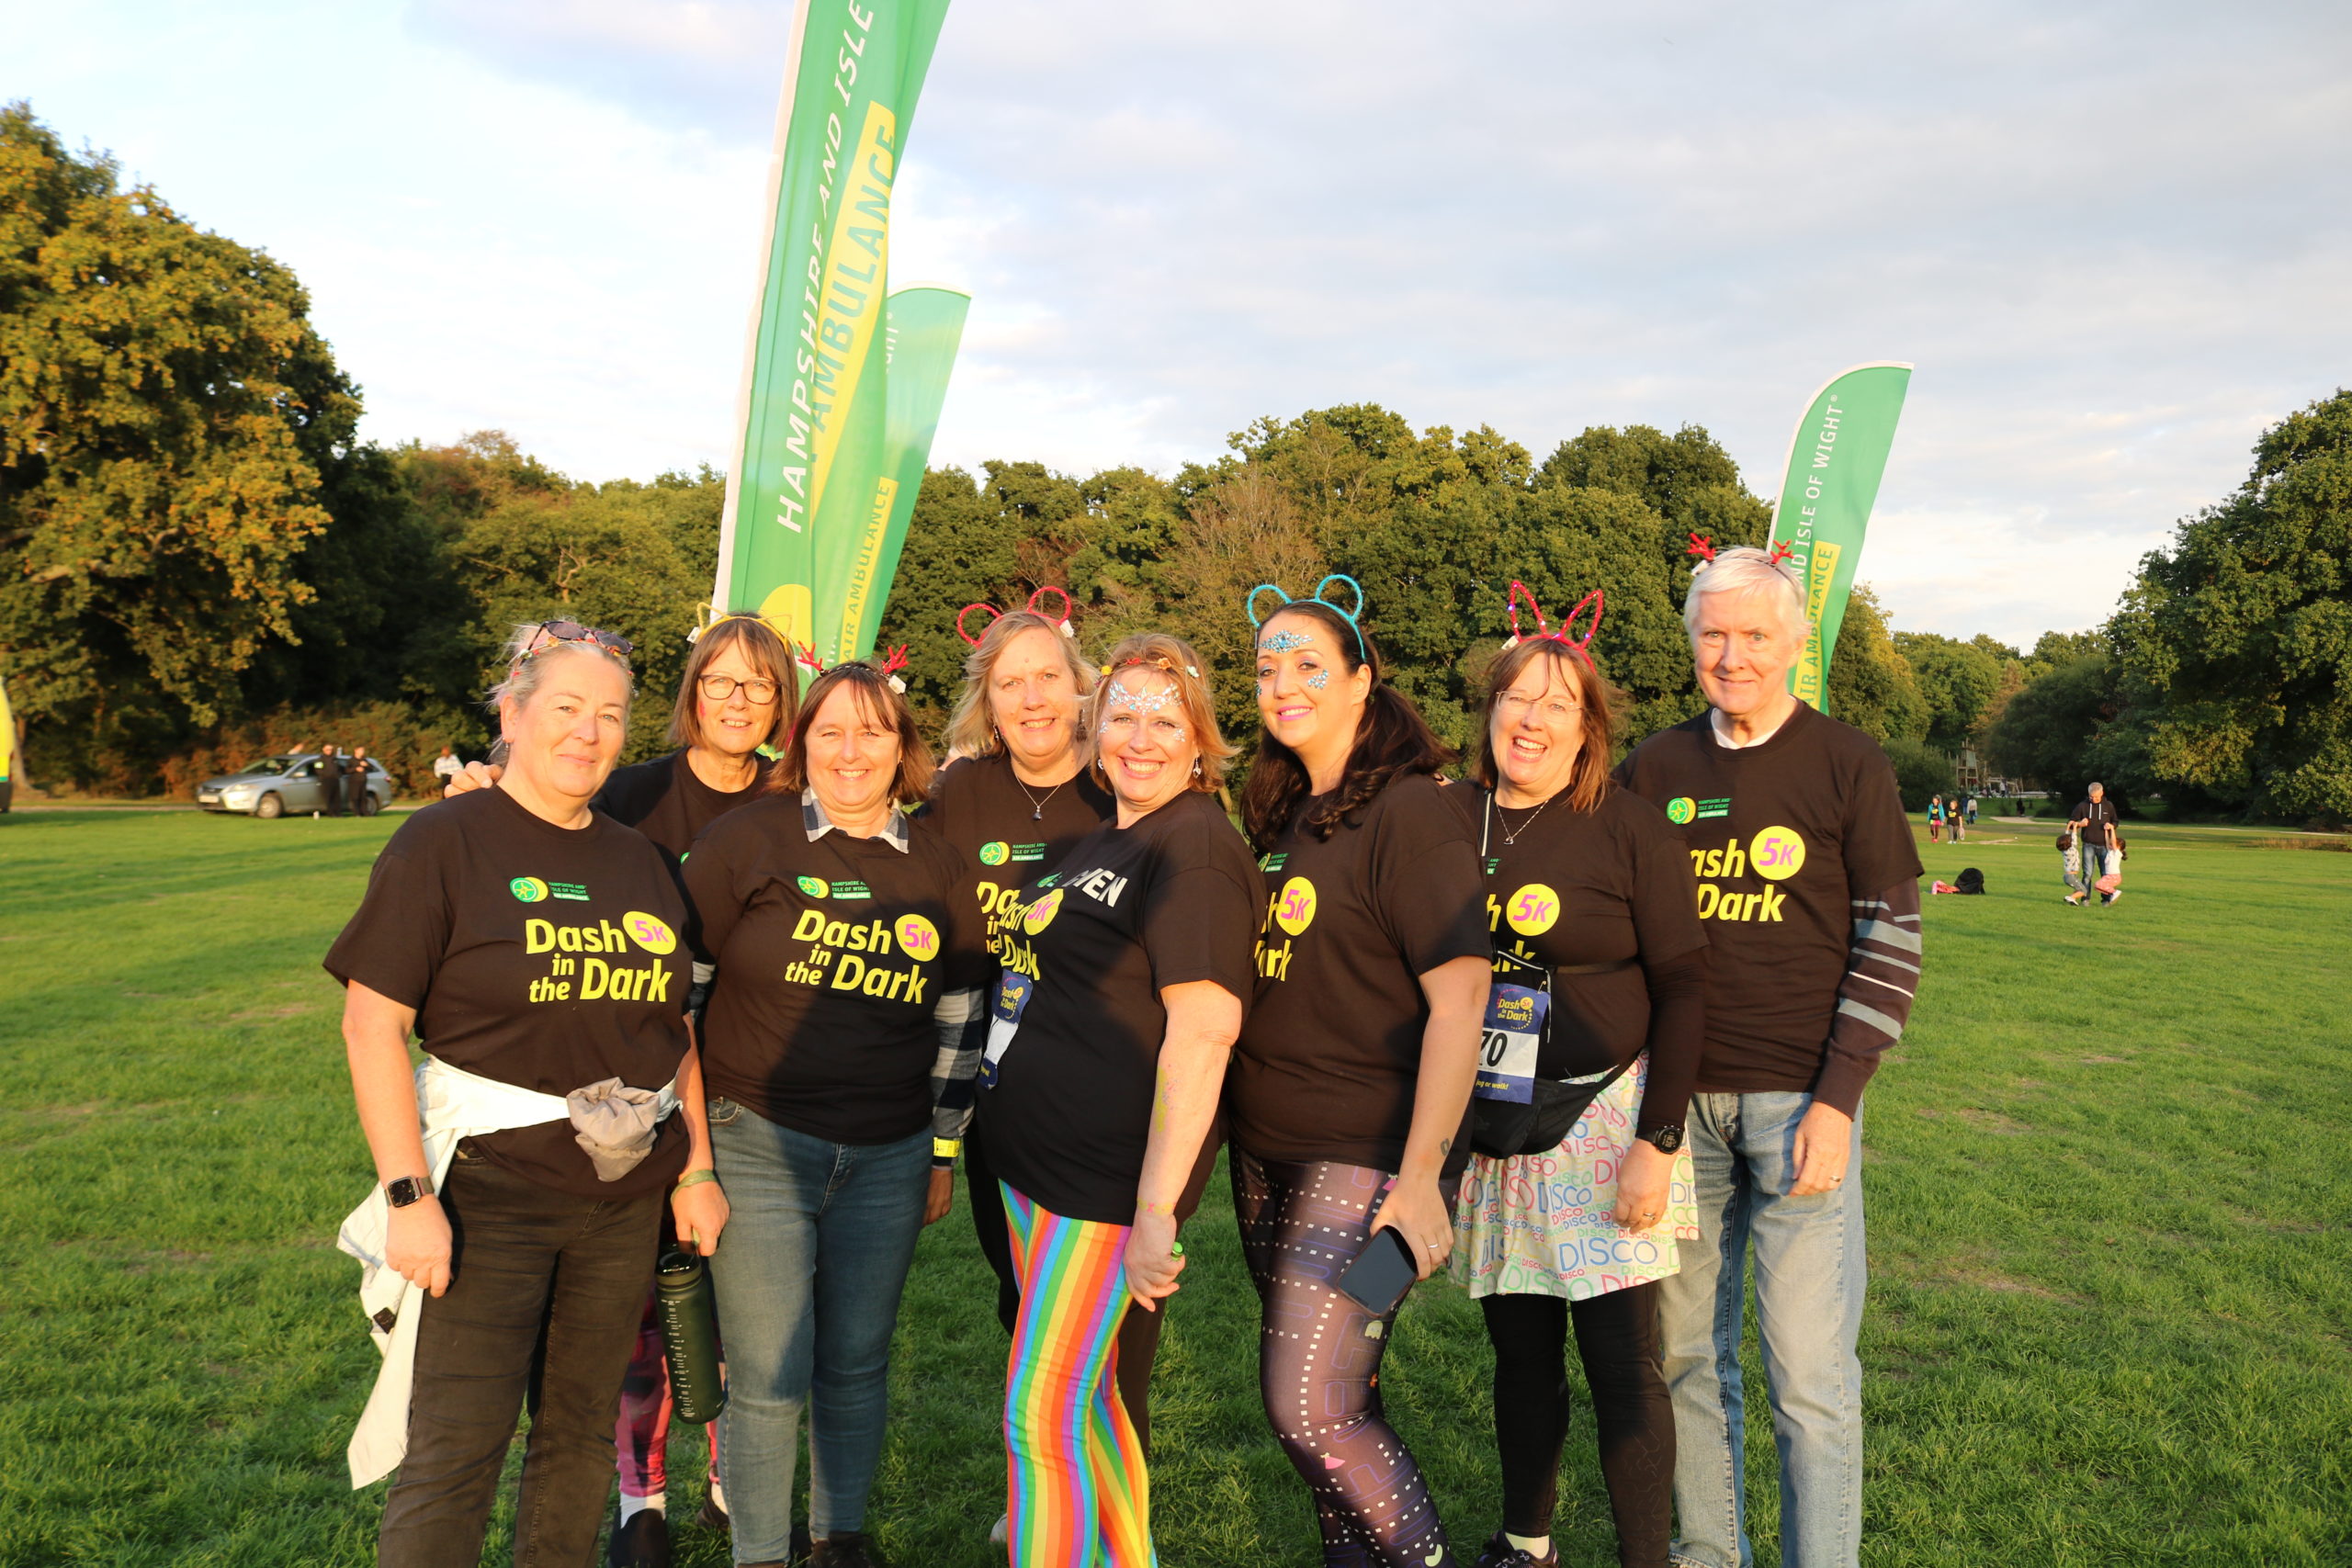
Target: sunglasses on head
{"x": 554, "y": 632}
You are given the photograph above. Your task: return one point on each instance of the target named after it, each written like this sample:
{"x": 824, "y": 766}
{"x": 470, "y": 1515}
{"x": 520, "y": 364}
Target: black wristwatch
{"x": 1665, "y": 1140}
{"x": 407, "y": 1190}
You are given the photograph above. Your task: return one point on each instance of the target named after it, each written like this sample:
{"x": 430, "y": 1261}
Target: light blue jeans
{"x": 817, "y": 1244}
{"x": 1809, "y": 1283}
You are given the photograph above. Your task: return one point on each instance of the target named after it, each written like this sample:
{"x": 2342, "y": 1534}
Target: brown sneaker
{"x": 643, "y": 1542}
{"x": 856, "y": 1549}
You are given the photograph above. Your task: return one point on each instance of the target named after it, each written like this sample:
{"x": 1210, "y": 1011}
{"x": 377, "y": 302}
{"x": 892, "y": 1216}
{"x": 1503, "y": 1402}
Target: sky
{"x": 2115, "y": 238}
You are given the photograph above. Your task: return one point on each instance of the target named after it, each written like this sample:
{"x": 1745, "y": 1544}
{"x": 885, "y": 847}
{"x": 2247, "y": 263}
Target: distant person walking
{"x": 328, "y": 771}
{"x": 1972, "y": 808}
{"x": 355, "y": 782}
{"x": 1956, "y": 812}
{"x": 1935, "y": 819}
{"x": 2095, "y": 827}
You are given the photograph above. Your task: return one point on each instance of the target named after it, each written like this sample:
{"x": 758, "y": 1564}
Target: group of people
{"x": 1584, "y": 1058}
{"x": 2091, "y": 850}
{"x": 343, "y": 779}
{"x": 1959, "y": 813}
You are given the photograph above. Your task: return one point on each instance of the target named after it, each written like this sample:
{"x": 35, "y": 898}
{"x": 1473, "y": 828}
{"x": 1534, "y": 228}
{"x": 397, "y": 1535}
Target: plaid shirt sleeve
{"x": 962, "y": 1024}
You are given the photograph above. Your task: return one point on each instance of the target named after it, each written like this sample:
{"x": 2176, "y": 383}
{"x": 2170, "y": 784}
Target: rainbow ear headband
{"x": 1061, "y": 622}
{"x": 1249, "y": 606}
{"x": 805, "y": 657}
{"x": 1565, "y": 633}
{"x": 1702, "y": 547}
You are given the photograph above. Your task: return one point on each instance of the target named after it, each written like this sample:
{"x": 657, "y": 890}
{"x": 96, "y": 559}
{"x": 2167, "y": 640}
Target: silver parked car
{"x": 275, "y": 785}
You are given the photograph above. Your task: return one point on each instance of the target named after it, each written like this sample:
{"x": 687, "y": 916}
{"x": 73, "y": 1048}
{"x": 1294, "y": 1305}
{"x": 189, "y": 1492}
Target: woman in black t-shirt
{"x": 1348, "y": 1098}
{"x": 1125, "y": 971}
{"x": 848, "y": 963}
{"x": 535, "y": 946}
{"x": 1592, "y": 903}
{"x": 1014, "y": 798}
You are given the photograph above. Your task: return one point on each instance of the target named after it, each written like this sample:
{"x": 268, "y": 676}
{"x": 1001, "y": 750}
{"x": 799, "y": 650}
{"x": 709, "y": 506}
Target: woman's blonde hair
{"x": 764, "y": 650}
{"x": 1589, "y": 777}
{"x": 971, "y": 728}
{"x": 1175, "y": 657}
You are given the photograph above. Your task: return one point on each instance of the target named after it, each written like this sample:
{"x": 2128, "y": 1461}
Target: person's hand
{"x": 699, "y": 1213}
{"x": 416, "y": 1245}
{"x": 1152, "y": 1261}
{"x": 1825, "y": 1145}
{"x": 1417, "y": 1212}
{"x": 1642, "y": 1185}
{"x": 941, "y": 1196}
{"x": 476, "y": 775}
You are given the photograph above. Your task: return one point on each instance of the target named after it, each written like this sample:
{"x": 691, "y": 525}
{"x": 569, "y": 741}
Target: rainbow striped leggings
{"x": 1074, "y": 1466}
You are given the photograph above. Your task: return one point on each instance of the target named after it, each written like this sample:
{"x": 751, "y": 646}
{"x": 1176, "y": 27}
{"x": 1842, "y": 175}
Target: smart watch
{"x": 1665, "y": 1140}
{"x": 406, "y": 1189}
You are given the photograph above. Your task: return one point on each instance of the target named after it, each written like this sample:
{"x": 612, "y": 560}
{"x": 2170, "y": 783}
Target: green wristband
{"x": 695, "y": 1178}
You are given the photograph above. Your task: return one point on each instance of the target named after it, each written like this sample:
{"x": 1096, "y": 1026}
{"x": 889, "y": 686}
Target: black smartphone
{"x": 1381, "y": 1274}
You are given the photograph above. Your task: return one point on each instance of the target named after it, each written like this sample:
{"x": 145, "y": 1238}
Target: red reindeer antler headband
{"x": 1595, "y": 601}
{"x": 1061, "y": 622}
{"x": 888, "y": 669}
{"x": 1705, "y": 550}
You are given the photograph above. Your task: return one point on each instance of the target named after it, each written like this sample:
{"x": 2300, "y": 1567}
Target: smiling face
{"x": 1536, "y": 730}
{"x": 1033, "y": 700}
{"x": 1743, "y": 647}
{"x": 564, "y": 739}
{"x": 734, "y": 725}
{"x": 1146, "y": 746}
{"x": 1308, "y": 697}
{"x": 852, "y": 751}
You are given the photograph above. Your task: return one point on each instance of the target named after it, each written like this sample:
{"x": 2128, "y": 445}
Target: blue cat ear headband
{"x": 1249, "y": 606}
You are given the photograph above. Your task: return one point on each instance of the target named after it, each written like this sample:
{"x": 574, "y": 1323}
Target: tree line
{"x": 211, "y": 565}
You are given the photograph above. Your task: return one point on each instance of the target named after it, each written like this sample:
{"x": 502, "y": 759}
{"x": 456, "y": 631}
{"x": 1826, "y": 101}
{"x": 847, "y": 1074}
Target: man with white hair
{"x": 1808, "y": 884}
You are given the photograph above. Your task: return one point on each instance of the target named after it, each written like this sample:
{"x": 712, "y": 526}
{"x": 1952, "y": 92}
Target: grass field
{"x": 2110, "y": 1298}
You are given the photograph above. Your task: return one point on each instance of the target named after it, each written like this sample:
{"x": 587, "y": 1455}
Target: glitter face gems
{"x": 1282, "y": 642}
{"x": 1319, "y": 680}
{"x": 1124, "y": 695}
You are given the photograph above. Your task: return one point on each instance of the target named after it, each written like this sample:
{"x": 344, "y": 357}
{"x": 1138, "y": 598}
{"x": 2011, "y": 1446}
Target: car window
{"x": 268, "y": 767}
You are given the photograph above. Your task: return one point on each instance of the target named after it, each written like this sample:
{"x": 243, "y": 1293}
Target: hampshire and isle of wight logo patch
{"x": 1680, "y": 809}
{"x": 528, "y": 889}
{"x": 995, "y": 853}
{"x": 812, "y": 885}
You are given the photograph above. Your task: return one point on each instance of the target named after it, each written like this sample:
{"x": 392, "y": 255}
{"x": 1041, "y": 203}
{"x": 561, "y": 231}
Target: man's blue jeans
{"x": 1809, "y": 1284}
{"x": 817, "y": 1243}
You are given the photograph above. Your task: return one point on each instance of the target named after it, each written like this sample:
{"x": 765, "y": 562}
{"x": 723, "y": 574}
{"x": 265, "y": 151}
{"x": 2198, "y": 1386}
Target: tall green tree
{"x": 2236, "y": 643}
{"x": 165, "y": 408}
{"x": 1870, "y": 684}
{"x": 1957, "y": 682}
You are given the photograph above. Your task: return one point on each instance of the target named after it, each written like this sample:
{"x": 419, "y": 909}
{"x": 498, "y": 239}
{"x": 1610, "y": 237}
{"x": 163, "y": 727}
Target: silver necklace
{"x": 1511, "y": 838}
{"x": 1038, "y": 815}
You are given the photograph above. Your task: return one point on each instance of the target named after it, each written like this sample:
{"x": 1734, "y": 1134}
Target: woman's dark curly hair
{"x": 1392, "y": 740}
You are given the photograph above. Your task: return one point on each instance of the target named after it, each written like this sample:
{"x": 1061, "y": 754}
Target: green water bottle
{"x": 689, "y": 1315}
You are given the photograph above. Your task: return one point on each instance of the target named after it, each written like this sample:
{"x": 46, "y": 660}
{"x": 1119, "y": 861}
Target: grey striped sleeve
{"x": 1875, "y": 999}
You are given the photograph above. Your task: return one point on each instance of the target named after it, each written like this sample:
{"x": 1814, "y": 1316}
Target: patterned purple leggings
{"x": 1318, "y": 1363}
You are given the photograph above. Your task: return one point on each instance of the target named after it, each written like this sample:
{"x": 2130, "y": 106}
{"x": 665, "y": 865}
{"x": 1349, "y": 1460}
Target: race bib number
{"x": 1013, "y": 994}
{"x": 1513, "y": 1033}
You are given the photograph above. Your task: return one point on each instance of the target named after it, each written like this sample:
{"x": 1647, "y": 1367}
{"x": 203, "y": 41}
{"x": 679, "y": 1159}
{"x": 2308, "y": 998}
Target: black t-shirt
{"x": 1009, "y": 834}
{"x": 1132, "y": 911}
{"x": 1784, "y": 837}
{"x": 2097, "y": 816}
{"x": 662, "y": 799}
{"x": 832, "y": 956}
{"x": 542, "y": 956}
{"x": 1330, "y": 1055}
{"x": 1609, "y": 886}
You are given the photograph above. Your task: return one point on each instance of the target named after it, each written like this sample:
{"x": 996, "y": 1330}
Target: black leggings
{"x": 1618, "y": 1341}
{"x": 1318, "y": 1361}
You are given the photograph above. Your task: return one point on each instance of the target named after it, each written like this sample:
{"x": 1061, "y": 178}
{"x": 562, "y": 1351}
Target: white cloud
{"x": 2113, "y": 237}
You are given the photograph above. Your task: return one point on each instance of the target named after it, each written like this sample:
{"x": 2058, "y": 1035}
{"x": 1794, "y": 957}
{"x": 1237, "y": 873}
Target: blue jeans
{"x": 807, "y": 1277}
{"x": 1810, "y": 1267}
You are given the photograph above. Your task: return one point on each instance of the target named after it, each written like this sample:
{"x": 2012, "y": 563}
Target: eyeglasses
{"x": 720, "y": 688}
{"x": 1513, "y": 706}
{"x": 573, "y": 632}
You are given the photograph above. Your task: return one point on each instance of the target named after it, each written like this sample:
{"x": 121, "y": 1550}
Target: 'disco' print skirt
{"x": 1540, "y": 1226}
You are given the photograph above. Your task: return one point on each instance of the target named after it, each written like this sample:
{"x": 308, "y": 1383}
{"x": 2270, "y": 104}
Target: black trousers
{"x": 1622, "y": 1349}
{"x": 543, "y": 1283}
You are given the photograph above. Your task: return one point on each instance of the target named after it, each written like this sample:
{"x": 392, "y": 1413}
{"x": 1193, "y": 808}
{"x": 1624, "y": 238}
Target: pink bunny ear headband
{"x": 1061, "y": 622}
{"x": 1564, "y": 633}
{"x": 1703, "y": 548}
{"x": 806, "y": 656}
